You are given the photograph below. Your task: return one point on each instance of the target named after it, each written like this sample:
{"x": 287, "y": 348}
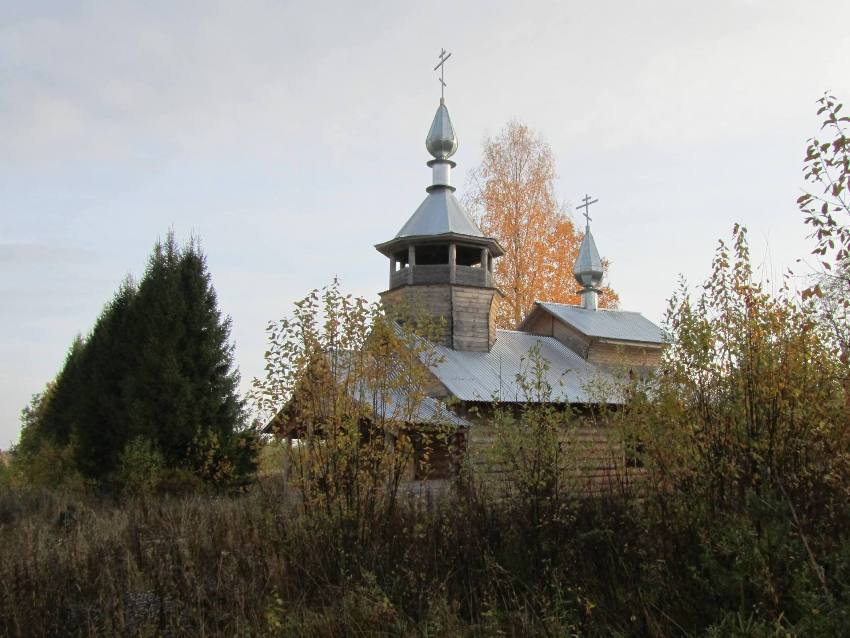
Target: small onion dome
{"x": 588, "y": 268}
{"x": 441, "y": 141}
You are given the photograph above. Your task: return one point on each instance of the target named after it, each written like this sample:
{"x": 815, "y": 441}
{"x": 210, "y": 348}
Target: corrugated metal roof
{"x": 438, "y": 214}
{"x": 393, "y": 403}
{"x": 607, "y": 324}
{"x": 394, "y": 407}
{"x": 493, "y": 375}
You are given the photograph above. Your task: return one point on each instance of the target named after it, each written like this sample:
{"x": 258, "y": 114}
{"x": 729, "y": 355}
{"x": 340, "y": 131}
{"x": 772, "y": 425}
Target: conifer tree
{"x": 108, "y": 364}
{"x": 184, "y": 389}
{"x": 53, "y": 414}
{"x": 157, "y": 367}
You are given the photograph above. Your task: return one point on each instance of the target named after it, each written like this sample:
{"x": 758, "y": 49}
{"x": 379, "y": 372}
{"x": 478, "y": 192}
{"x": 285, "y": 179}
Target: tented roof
{"x": 440, "y": 213}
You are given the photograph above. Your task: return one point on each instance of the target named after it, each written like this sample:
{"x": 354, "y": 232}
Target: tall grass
{"x": 253, "y": 565}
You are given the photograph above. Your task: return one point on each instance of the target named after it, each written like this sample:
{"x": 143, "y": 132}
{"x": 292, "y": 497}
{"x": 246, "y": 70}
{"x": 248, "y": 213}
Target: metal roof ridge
{"x": 569, "y": 305}
{"x": 525, "y": 332}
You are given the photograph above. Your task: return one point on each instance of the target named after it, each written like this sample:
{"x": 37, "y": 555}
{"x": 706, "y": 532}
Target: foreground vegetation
{"x": 465, "y": 565}
{"x": 734, "y": 521}
{"x": 738, "y": 525}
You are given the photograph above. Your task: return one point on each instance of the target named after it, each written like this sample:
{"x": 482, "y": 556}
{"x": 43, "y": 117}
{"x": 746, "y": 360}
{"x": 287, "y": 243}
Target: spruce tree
{"x": 55, "y": 412}
{"x": 184, "y": 389}
{"x": 108, "y": 363}
{"x": 156, "y": 367}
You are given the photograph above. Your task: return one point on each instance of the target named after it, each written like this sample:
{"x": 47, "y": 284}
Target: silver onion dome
{"x": 441, "y": 141}
{"x": 588, "y": 267}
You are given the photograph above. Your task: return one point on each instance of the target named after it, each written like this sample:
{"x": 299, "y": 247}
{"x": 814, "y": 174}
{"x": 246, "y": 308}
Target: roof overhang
{"x": 389, "y": 247}
{"x": 540, "y": 307}
{"x": 632, "y": 344}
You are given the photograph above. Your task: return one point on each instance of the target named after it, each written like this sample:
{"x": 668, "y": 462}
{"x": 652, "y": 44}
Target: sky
{"x": 289, "y": 137}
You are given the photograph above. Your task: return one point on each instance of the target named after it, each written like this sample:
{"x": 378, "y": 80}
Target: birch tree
{"x": 513, "y": 199}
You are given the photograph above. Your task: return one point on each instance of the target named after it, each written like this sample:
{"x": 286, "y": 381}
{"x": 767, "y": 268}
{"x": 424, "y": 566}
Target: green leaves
{"x": 345, "y": 380}
{"x": 826, "y": 169}
{"x": 752, "y": 389}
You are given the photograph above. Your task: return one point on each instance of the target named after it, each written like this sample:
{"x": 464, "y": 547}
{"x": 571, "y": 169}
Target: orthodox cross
{"x": 586, "y": 206}
{"x": 443, "y": 57}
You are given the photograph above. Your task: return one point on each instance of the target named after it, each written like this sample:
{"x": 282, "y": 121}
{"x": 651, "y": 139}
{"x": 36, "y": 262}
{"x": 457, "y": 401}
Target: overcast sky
{"x": 290, "y": 137}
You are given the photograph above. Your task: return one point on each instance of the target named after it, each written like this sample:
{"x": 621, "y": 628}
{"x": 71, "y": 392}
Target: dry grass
{"x": 447, "y": 565}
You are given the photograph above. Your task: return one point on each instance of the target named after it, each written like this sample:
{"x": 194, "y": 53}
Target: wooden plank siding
{"x": 595, "y": 349}
{"x": 471, "y": 318}
{"x": 623, "y": 354}
{"x": 465, "y": 311}
{"x": 434, "y": 300}
{"x": 595, "y": 457}
{"x": 546, "y": 325}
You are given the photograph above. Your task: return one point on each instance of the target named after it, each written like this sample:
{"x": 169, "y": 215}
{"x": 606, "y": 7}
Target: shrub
{"x": 140, "y": 467}
{"x": 345, "y": 380}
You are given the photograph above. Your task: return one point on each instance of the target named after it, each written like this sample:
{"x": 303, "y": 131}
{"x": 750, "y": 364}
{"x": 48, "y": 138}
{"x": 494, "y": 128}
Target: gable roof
{"x": 605, "y": 324}
{"x": 392, "y": 403}
{"x": 394, "y": 406}
{"x": 488, "y": 376}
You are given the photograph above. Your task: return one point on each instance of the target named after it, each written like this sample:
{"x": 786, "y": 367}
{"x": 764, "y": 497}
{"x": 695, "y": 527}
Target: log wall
{"x": 596, "y": 457}
{"x": 465, "y": 311}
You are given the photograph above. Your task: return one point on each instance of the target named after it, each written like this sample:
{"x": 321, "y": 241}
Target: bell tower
{"x": 440, "y": 261}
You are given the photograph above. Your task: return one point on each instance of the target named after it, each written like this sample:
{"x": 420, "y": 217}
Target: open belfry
{"x": 440, "y": 260}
